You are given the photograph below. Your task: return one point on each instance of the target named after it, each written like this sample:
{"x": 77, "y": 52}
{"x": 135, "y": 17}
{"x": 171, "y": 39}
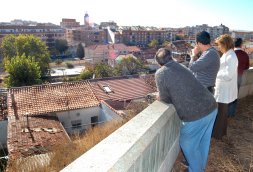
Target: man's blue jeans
{"x": 195, "y": 139}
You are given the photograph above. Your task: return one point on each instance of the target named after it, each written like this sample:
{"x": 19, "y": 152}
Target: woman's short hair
{"x": 163, "y": 56}
{"x": 225, "y": 41}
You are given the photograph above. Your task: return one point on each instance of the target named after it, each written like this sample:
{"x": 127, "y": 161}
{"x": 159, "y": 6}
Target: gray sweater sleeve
{"x": 160, "y": 85}
{"x": 203, "y": 62}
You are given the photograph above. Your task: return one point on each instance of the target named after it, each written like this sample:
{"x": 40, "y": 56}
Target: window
{"x": 94, "y": 121}
{"x": 107, "y": 89}
{"x": 76, "y": 124}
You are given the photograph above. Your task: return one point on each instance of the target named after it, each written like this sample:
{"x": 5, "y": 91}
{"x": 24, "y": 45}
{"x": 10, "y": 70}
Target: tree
{"x": 61, "y": 45}
{"x": 153, "y": 44}
{"x": 129, "y": 66}
{"x": 8, "y": 46}
{"x": 166, "y": 44}
{"x": 27, "y": 45}
{"x": 102, "y": 70}
{"x": 22, "y": 71}
{"x": 87, "y": 73}
{"x": 79, "y": 51}
{"x": 179, "y": 37}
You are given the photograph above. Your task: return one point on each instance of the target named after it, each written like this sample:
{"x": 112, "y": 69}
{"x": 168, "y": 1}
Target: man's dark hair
{"x": 238, "y": 42}
{"x": 163, "y": 56}
{"x": 203, "y": 37}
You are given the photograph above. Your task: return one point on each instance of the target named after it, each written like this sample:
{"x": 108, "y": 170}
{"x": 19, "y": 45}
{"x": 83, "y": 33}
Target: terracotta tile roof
{"x": 121, "y": 47}
{"x": 107, "y": 47}
{"x": 123, "y": 88}
{"x": 43, "y": 99}
{"x": 249, "y": 50}
{"x": 150, "y": 80}
{"x": 43, "y": 131}
{"x": 149, "y": 53}
{"x": 133, "y": 49}
{"x": 181, "y": 46}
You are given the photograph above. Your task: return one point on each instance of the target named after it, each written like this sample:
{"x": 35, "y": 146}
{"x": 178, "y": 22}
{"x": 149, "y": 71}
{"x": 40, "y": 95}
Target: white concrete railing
{"x": 3, "y": 134}
{"x": 148, "y": 142}
{"x": 247, "y": 84}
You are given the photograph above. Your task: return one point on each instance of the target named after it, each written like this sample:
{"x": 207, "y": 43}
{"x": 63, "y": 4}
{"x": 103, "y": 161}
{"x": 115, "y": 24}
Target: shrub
{"x": 69, "y": 65}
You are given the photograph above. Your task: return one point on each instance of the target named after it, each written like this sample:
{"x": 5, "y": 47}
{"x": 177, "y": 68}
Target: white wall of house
{"x": 106, "y": 114}
{"x": 78, "y": 120}
{"x": 3, "y": 133}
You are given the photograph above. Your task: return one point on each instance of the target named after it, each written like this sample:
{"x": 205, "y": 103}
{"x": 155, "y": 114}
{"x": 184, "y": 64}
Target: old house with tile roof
{"x": 108, "y": 53}
{"x": 41, "y": 116}
{"x": 181, "y": 50}
{"x": 119, "y": 91}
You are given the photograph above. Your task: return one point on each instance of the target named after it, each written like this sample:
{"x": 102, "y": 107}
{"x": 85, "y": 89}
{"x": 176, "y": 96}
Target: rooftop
{"x": 181, "y": 46}
{"x": 33, "y": 135}
{"x": 121, "y": 88}
{"x": 43, "y": 99}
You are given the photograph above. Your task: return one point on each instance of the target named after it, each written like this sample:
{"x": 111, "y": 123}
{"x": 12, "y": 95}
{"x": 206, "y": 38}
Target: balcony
{"x": 149, "y": 142}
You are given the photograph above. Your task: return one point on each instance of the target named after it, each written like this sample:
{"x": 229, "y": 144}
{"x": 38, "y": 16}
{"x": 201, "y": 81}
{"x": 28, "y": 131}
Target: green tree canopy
{"x": 166, "y": 44}
{"x": 22, "y": 71}
{"x": 87, "y": 73}
{"x": 129, "y": 66}
{"x": 61, "y": 45}
{"x": 79, "y": 51}
{"x": 27, "y": 45}
{"x": 102, "y": 70}
{"x": 153, "y": 44}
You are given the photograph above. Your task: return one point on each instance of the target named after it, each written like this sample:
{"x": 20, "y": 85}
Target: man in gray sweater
{"x": 205, "y": 68}
{"x": 195, "y": 106}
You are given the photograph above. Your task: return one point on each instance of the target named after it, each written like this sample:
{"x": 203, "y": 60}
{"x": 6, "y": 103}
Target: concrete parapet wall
{"x": 148, "y": 142}
{"x": 3, "y": 133}
{"x": 246, "y": 88}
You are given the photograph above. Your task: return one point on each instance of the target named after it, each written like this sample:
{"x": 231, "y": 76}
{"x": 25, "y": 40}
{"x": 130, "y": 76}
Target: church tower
{"x": 86, "y": 19}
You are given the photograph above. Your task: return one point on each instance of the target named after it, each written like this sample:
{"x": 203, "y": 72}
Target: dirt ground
{"x": 234, "y": 153}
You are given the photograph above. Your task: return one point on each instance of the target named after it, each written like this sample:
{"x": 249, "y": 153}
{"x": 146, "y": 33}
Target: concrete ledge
{"x": 246, "y": 88}
{"x": 3, "y": 133}
{"x": 148, "y": 142}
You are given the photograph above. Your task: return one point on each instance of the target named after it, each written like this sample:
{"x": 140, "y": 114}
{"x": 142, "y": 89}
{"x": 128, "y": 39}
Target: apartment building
{"x": 140, "y": 36}
{"x": 214, "y": 31}
{"x": 69, "y": 23}
{"x": 47, "y": 33}
{"x": 246, "y": 36}
{"x": 86, "y": 36}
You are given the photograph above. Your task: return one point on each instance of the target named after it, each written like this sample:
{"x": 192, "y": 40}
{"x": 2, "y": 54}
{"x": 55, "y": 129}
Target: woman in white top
{"x": 226, "y": 84}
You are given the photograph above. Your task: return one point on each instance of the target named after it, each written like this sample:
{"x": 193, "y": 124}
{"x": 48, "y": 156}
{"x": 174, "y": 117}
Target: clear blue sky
{"x": 236, "y": 14}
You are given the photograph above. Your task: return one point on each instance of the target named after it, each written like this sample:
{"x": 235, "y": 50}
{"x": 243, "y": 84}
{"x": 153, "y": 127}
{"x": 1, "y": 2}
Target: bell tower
{"x": 86, "y": 19}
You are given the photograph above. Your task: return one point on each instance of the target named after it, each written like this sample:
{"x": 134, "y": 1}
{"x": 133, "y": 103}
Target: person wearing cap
{"x": 194, "y": 104}
{"x": 205, "y": 67}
